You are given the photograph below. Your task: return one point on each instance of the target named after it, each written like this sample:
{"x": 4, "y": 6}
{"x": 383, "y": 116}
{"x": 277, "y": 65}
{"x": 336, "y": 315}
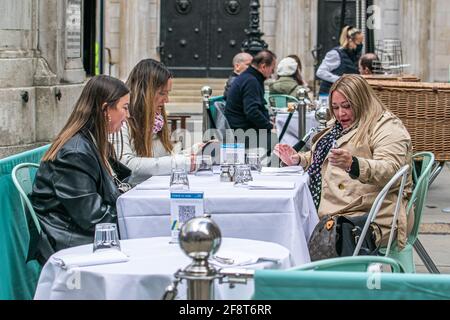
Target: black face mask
{"x": 359, "y": 48}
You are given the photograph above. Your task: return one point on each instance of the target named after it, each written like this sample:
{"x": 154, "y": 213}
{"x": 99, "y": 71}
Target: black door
{"x": 329, "y": 24}
{"x": 200, "y": 37}
{"x": 328, "y": 30}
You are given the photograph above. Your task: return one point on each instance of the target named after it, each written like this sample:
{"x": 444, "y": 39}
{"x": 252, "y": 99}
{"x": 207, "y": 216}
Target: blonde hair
{"x": 348, "y": 33}
{"x": 146, "y": 78}
{"x": 366, "y": 106}
{"x": 89, "y": 115}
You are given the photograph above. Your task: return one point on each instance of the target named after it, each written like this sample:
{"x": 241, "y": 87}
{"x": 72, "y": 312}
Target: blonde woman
{"x": 76, "y": 185}
{"x": 353, "y": 159}
{"x": 341, "y": 60}
{"x": 147, "y": 148}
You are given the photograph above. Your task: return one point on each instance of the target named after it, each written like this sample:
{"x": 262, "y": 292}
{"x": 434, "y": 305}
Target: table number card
{"x": 232, "y": 153}
{"x": 183, "y": 207}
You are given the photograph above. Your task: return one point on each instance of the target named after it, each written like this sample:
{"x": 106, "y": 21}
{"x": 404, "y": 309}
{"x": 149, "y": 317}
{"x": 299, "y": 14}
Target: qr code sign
{"x": 186, "y": 213}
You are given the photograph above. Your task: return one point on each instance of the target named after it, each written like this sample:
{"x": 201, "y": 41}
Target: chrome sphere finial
{"x": 200, "y": 238}
{"x": 322, "y": 115}
{"x": 206, "y": 91}
{"x": 301, "y": 93}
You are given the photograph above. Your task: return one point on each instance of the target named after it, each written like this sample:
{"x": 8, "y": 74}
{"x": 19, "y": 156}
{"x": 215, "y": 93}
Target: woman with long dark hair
{"x": 76, "y": 186}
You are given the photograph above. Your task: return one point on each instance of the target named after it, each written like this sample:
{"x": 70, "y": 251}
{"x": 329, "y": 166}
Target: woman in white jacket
{"x": 147, "y": 148}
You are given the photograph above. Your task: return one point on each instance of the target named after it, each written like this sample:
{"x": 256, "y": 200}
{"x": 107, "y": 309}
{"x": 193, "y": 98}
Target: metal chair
{"x": 402, "y": 173}
{"x": 278, "y": 101}
{"x": 23, "y": 176}
{"x": 415, "y": 205}
{"x": 350, "y": 264}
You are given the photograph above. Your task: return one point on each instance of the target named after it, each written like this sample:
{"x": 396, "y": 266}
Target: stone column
{"x": 40, "y": 57}
{"x": 439, "y": 56}
{"x": 139, "y": 36}
{"x": 296, "y": 31}
{"x": 59, "y": 68}
{"x": 415, "y": 35}
{"x": 59, "y": 30}
{"x": 18, "y": 40}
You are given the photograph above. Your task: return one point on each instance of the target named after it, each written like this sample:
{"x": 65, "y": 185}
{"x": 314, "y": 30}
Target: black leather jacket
{"x": 71, "y": 195}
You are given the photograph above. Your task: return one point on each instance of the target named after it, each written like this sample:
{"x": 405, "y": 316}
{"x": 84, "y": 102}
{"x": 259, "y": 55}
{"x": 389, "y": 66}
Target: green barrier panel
{"x": 18, "y": 279}
{"x": 338, "y": 285}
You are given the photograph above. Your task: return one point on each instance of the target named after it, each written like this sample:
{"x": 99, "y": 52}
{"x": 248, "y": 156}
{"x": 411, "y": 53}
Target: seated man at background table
{"x": 241, "y": 61}
{"x": 245, "y": 108}
{"x": 365, "y": 64}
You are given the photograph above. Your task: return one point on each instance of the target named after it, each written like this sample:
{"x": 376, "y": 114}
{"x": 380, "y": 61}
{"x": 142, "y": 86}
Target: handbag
{"x": 338, "y": 235}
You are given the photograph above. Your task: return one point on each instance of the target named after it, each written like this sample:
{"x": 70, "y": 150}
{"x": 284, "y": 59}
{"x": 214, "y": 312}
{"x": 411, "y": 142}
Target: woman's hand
{"x": 287, "y": 154}
{"x": 193, "y": 156}
{"x": 340, "y": 158}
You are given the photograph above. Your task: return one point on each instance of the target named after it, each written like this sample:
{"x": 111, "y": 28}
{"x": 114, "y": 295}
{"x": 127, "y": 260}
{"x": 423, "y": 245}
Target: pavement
{"x": 435, "y": 228}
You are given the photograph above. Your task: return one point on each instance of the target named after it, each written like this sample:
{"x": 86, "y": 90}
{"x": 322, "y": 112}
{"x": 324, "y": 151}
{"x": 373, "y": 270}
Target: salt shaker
{"x": 226, "y": 175}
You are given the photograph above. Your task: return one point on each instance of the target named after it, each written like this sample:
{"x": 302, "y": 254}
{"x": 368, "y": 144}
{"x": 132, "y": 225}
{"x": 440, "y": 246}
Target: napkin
{"x": 105, "y": 256}
{"x": 152, "y": 186}
{"x": 271, "y": 185}
{"x": 292, "y": 170}
{"x": 235, "y": 259}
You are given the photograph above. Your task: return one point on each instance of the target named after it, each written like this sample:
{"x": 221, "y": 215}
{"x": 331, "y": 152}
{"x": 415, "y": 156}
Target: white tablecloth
{"x": 149, "y": 271}
{"x": 286, "y": 217}
{"x": 291, "y": 136}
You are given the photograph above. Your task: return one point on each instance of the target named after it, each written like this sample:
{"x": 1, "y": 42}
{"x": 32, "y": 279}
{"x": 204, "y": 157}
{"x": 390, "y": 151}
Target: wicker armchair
{"x": 424, "y": 108}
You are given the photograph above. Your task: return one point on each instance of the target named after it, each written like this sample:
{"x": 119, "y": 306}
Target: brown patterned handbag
{"x": 337, "y": 236}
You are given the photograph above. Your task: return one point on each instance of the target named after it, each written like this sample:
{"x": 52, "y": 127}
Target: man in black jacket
{"x": 245, "y": 108}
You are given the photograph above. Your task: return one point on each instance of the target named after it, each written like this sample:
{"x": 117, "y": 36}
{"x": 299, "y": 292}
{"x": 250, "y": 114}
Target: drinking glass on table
{"x": 203, "y": 166}
{"x": 106, "y": 237}
{"x": 179, "y": 176}
{"x": 254, "y": 162}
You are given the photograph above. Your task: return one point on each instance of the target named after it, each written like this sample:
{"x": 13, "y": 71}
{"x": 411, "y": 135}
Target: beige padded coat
{"x": 389, "y": 149}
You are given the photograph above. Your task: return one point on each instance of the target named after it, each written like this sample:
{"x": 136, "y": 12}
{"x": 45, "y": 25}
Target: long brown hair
{"x": 89, "y": 114}
{"x": 366, "y": 106}
{"x": 146, "y": 78}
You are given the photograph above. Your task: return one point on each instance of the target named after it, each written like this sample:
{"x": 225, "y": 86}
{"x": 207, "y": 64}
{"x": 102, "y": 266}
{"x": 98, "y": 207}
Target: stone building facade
{"x": 35, "y": 58}
{"x": 40, "y": 74}
{"x": 290, "y": 26}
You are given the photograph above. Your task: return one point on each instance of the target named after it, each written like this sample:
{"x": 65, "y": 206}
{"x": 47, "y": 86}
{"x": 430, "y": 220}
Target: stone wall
{"x": 34, "y": 63}
{"x": 112, "y": 37}
{"x": 440, "y": 41}
{"x": 139, "y": 32}
{"x": 389, "y": 12}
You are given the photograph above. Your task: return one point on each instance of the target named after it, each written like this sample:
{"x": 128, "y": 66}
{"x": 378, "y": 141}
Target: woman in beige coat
{"x": 353, "y": 159}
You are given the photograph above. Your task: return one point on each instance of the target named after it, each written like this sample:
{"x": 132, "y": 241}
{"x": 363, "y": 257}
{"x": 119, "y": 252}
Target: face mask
{"x": 359, "y": 48}
{"x": 159, "y": 123}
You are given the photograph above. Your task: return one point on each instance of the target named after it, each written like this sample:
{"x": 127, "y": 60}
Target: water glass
{"x": 254, "y": 162}
{"x": 179, "y": 179}
{"x": 242, "y": 175}
{"x": 203, "y": 166}
{"x": 106, "y": 237}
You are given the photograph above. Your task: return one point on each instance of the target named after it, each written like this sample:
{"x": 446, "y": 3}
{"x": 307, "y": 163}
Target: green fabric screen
{"x": 18, "y": 279}
{"x": 212, "y": 107}
{"x": 338, "y": 285}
